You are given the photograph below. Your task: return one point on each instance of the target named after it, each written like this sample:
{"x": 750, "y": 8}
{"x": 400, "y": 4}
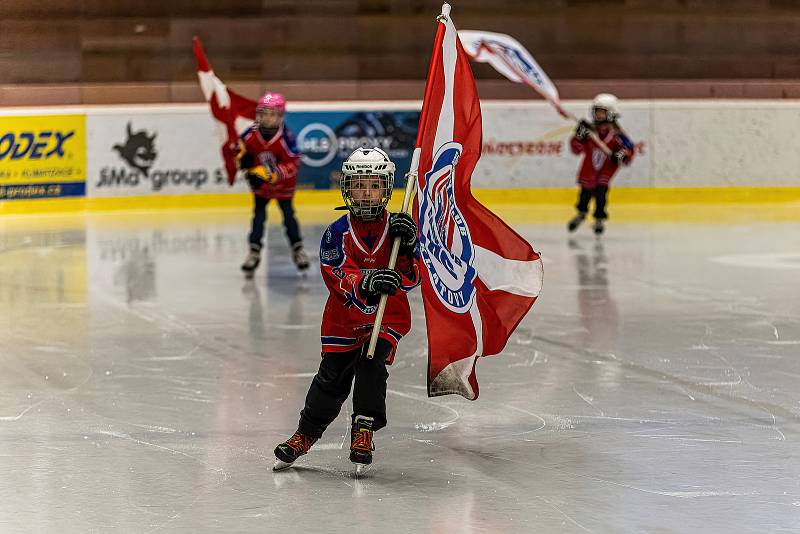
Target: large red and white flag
{"x": 226, "y": 106}
{"x": 480, "y": 277}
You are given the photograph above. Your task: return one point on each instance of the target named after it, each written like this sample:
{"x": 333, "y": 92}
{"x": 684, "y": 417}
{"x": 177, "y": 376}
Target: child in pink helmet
{"x": 268, "y": 156}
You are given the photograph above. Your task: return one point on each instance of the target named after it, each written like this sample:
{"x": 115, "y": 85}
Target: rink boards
{"x": 129, "y": 157}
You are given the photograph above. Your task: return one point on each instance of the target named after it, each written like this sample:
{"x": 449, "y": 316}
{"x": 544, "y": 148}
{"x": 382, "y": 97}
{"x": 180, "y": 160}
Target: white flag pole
{"x": 411, "y": 188}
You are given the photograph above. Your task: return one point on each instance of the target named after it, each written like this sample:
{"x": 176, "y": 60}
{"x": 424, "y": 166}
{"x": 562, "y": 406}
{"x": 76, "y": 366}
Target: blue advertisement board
{"x": 326, "y": 138}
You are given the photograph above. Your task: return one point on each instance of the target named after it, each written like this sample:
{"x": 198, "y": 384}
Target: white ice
{"x": 653, "y": 388}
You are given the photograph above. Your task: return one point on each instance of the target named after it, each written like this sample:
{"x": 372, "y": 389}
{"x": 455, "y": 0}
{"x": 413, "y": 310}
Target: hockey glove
{"x": 582, "y": 131}
{"x": 619, "y": 157}
{"x": 244, "y": 159}
{"x": 380, "y": 282}
{"x": 403, "y": 226}
{"x": 265, "y": 173}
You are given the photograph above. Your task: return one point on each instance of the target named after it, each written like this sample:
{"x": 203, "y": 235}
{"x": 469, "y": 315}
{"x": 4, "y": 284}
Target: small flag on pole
{"x": 226, "y": 106}
{"x": 512, "y": 60}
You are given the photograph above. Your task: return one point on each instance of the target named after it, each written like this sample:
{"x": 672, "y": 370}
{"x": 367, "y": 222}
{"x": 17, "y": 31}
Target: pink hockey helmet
{"x": 274, "y": 101}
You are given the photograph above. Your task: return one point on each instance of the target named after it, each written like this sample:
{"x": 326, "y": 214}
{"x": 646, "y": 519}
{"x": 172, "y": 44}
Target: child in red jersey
{"x": 597, "y": 169}
{"x": 268, "y": 156}
{"x": 353, "y": 257}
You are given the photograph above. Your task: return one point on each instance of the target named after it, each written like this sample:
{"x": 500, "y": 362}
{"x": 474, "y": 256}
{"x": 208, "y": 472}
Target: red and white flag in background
{"x": 226, "y": 106}
{"x": 480, "y": 277}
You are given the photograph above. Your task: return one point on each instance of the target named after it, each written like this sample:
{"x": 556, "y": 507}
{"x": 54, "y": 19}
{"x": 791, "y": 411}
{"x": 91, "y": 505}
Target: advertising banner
{"x": 42, "y": 156}
{"x": 119, "y": 151}
{"x": 527, "y": 145}
{"x": 135, "y": 154}
{"x": 326, "y": 138}
{"x": 155, "y": 153}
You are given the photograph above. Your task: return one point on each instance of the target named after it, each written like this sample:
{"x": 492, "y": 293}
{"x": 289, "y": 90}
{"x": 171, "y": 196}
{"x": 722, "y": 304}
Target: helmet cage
{"x": 268, "y": 117}
{"x": 361, "y": 175}
{"x": 611, "y": 116}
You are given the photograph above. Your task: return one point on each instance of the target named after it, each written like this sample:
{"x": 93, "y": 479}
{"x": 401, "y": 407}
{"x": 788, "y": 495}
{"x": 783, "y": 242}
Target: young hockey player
{"x": 597, "y": 169}
{"x": 269, "y": 158}
{"x": 353, "y": 257}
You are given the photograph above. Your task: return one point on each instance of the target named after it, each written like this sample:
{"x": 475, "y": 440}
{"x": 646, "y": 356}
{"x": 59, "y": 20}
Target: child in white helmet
{"x": 597, "y": 169}
{"x": 353, "y": 258}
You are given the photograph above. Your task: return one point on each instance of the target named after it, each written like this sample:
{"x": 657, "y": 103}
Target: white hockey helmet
{"x": 367, "y": 182}
{"x": 607, "y": 102}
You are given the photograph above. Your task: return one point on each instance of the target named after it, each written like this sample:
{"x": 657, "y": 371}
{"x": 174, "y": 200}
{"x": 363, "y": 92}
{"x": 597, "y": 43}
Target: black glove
{"x": 380, "y": 281}
{"x": 583, "y": 129}
{"x": 246, "y": 161}
{"x": 619, "y": 157}
{"x": 403, "y": 226}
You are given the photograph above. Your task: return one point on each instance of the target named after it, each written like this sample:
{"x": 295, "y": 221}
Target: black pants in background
{"x": 331, "y": 386}
{"x": 599, "y": 194}
{"x": 256, "y": 237}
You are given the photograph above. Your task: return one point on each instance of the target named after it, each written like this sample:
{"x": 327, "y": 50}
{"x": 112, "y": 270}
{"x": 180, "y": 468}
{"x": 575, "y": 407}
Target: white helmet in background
{"x": 367, "y": 182}
{"x": 607, "y": 102}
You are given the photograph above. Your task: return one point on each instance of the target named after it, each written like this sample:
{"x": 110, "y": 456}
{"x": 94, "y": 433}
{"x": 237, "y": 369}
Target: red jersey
{"x": 278, "y": 154}
{"x": 350, "y": 249}
{"x": 597, "y": 168}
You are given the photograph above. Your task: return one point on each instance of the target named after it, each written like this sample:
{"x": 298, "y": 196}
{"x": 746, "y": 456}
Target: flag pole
{"x": 411, "y": 188}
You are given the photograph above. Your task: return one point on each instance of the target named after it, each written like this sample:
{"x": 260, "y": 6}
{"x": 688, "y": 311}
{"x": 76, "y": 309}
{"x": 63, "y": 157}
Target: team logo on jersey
{"x": 445, "y": 241}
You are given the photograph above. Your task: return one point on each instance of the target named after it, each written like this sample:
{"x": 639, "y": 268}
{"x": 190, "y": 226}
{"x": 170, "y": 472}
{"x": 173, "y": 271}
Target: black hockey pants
{"x": 331, "y": 386}
{"x": 599, "y": 194}
{"x": 260, "y": 217}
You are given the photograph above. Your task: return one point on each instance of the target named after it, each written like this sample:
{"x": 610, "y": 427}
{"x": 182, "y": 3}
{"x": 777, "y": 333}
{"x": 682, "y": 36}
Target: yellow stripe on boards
{"x": 644, "y": 195}
{"x": 708, "y": 204}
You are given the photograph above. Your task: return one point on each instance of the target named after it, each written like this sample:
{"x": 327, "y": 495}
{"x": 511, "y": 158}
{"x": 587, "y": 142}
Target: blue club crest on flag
{"x": 445, "y": 242}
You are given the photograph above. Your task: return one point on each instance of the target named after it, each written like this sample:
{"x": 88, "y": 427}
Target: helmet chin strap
{"x": 376, "y": 216}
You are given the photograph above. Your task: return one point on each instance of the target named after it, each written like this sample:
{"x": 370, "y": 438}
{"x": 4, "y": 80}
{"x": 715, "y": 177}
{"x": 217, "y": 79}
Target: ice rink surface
{"x": 653, "y": 388}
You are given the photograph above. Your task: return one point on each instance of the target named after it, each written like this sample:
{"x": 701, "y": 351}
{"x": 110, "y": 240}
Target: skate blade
{"x": 361, "y": 469}
{"x": 280, "y": 465}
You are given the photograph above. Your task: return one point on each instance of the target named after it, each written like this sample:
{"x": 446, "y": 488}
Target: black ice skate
{"x": 599, "y": 226}
{"x": 361, "y": 445}
{"x": 299, "y": 257}
{"x": 575, "y": 222}
{"x": 251, "y": 262}
{"x": 290, "y": 450}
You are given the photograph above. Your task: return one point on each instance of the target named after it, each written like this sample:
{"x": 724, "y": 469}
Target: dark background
{"x": 88, "y": 50}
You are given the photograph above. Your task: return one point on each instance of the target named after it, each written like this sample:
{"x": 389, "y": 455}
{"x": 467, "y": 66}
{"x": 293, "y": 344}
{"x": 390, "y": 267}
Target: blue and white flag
{"x": 512, "y": 60}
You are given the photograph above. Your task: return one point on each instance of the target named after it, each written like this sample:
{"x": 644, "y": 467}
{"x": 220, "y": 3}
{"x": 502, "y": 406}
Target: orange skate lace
{"x": 362, "y": 440}
{"x": 300, "y": 442}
